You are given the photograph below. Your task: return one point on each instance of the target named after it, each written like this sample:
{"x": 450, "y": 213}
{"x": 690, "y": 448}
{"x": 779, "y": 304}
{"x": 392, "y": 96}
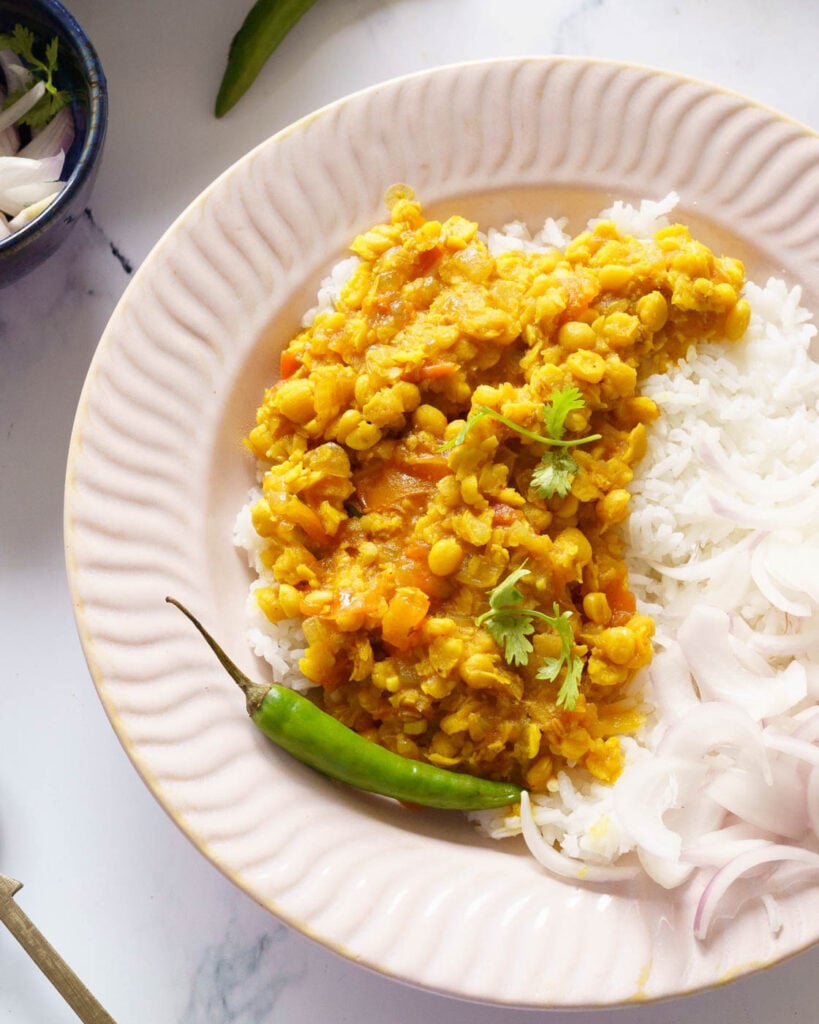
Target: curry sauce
{"x": 387, "y": 543}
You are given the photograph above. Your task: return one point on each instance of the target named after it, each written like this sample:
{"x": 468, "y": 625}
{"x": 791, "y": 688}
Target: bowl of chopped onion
{"x": 53, "y": 108}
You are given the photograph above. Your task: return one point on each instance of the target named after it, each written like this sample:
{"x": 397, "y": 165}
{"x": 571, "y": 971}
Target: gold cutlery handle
{"x": 81, "y": 1001}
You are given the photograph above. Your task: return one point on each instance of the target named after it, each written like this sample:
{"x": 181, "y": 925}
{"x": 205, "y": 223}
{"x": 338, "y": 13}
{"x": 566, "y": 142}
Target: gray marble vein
{"x": 241, "y": 976}
{"x": 118, "y": 255}
{"x": 572, "y": 24}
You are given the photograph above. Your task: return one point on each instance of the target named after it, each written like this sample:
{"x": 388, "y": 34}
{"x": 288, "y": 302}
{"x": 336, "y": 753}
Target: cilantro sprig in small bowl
{"x": 53, "y": 114}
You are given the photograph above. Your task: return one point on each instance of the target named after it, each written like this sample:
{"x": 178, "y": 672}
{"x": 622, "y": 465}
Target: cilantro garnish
{"x": 510, "y": 624}
{"x": 557, "y": 466}
{"x": 550, "y": 670}
{"x": 558, "y": 408}
{"x": 554, "y": 474}
{"x": 507, "y": 621}
{"x": 21, "y": 42}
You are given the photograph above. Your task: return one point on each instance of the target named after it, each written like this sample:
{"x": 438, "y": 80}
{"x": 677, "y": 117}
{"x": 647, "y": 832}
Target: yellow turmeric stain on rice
{"x": 386, "y": 547}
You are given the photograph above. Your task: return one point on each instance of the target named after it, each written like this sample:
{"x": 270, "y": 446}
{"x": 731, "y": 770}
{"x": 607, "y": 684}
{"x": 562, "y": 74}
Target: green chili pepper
{"x": 312, "y": 736}
{"x": 267, "y": 23}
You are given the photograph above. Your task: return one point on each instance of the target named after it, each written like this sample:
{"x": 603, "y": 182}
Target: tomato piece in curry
{"x": 386, "y": 546}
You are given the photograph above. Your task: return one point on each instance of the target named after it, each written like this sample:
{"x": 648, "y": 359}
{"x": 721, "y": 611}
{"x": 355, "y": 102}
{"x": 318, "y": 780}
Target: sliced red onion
{"x": 793, "y": 746}
{"x": 558, "y": 863}
{"x": 56, "y": 137}
{"x": 778, "y": 808}
{"x": 747, "y": 656}
{"x": 9, "y": 141}
{"x": 17, "y": 170}
{"x": 719, "y": 674}
{"x": 695, "y": 817}
{"x": 705, "y": 569}
{"x": 766, "y": 490}
{"x": 779, "y": 645}
{"x": 812, "y": 800}
{"x": 808, "y": 727}
{"x": 16, "y": 75}
{"x": 716, "y": 849}
{"x": 717, "y": 727}
{"x": 734, "y": 869}
{"x": 772, "y": 910}
{"x": 11, "y": 115}
{"x": 738, "y": 830}
{"x": 16, "y": 200}
{"x": 671, "y": 682}
{"x": 670, "y": 874}
{"x": 29, "y": 178}
{"x": 794, "y": 564}
{"x": 30, "y": 212}
{"x": 764, "y": 516}
{"x": 646, "y": 791}
{"x": 9, "y": 138}
{"x": 776, "y": 594}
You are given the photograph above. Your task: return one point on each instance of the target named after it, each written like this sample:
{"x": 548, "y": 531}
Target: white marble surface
{"x": 151, "y": 926}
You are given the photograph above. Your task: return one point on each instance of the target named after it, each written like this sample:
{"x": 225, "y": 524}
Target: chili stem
{"x": 255, "y": 693}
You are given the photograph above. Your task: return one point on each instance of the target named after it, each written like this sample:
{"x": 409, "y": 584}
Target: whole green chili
{"x": 312, "y": 736}
{"x": 266, "y": 24}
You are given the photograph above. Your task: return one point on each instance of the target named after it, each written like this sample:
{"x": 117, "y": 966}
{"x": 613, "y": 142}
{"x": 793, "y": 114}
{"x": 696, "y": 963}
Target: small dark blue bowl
{"x": 79, "y": 72}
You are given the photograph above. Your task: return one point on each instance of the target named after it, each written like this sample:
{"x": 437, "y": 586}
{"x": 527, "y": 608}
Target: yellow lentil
{"x": 445, "y": 557}
{"x": 387, "y": 547}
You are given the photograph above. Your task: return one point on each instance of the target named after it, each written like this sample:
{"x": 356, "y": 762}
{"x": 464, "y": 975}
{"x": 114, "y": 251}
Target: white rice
{"x": 751, "y": 405}
{"x": 756, "y": 401}
{"x": 281, "y": 644}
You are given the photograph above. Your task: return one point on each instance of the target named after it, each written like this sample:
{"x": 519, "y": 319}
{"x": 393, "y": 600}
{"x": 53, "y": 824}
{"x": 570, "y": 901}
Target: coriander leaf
{"x": 510, "y": 625}
{"x": 510, "y": 630}
{"x": 483, "y": 411}
{"x": 460, "y": 437}
{"x": 558, "y": 408}
{"x": 51, "y": 53}
{"x": 506, "y": 593}
{"x": 551, "y": 668}
{"x": 570, "y": 687}
{"x": 554, "y": 474}
{"x": 21, "y": 42}
{"x": 563, "y": 627}
{"x": 42, "y": 112}
{"x": 567, "y": 400}
{"x": 507, "y": 621}
{"x": 570, "y": 690}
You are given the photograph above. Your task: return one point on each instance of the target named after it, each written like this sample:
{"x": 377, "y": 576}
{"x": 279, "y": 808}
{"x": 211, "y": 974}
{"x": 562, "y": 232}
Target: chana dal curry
{"x": 445, "y": 467}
